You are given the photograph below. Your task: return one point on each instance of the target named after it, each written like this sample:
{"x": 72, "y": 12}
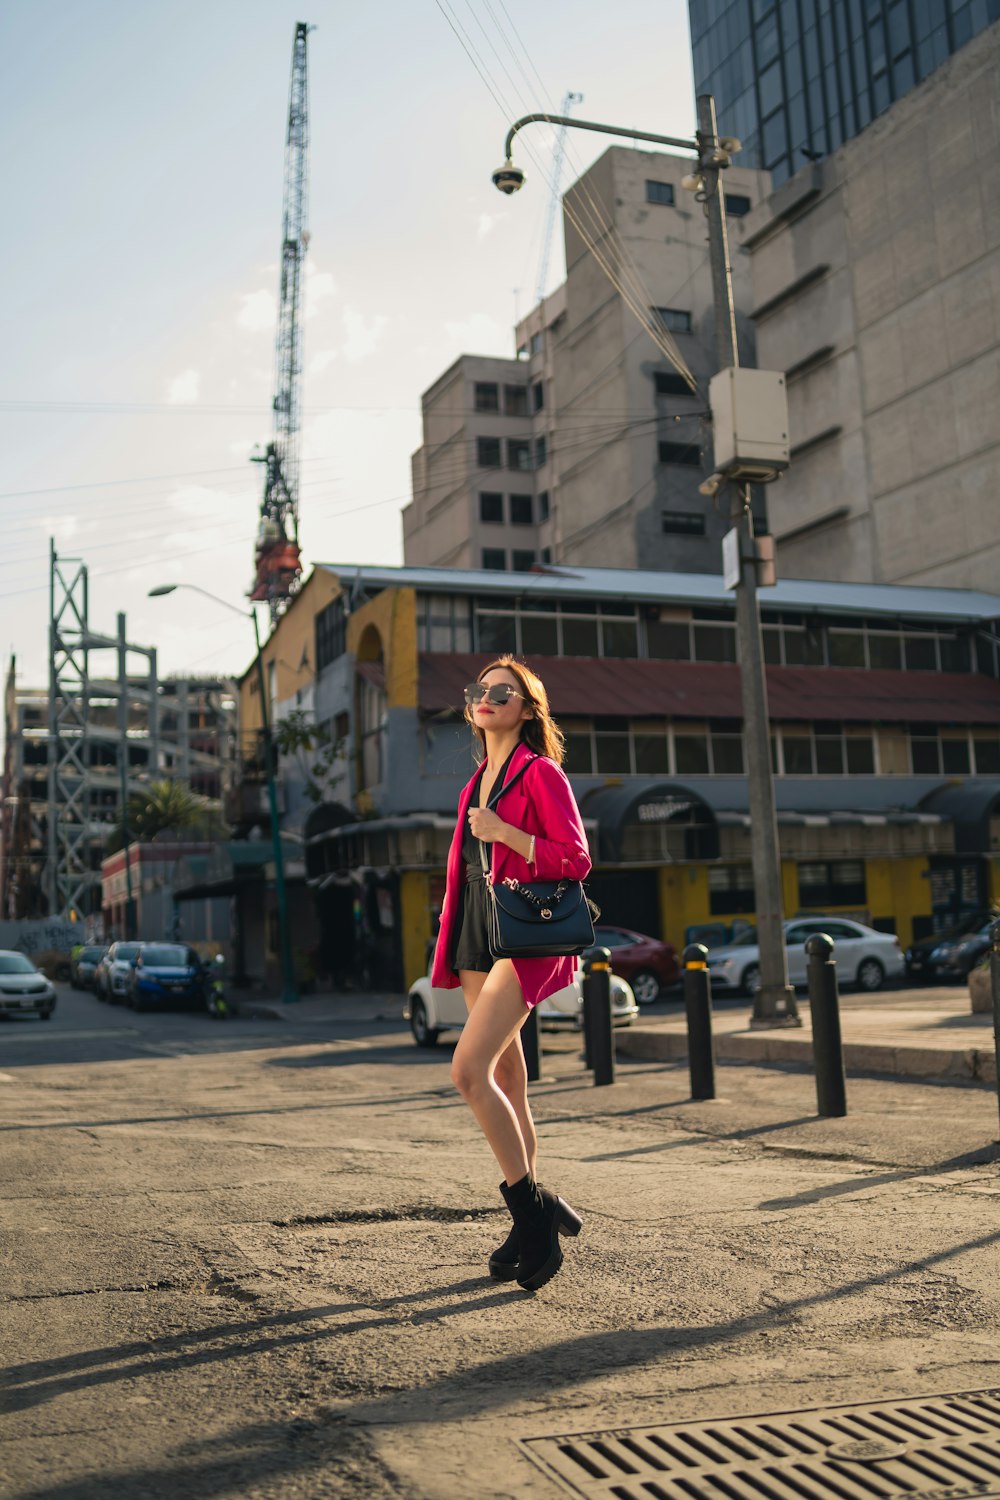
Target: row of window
{"x": 520, "y": 510}
{"x": 517, "y": 400}
{"x": 822, "y": 883}
{"x": 522, "y": 560}
{"x": 523, "y": 454}
{"x": 619, "y": 747}
{"x": 737, "y": 204}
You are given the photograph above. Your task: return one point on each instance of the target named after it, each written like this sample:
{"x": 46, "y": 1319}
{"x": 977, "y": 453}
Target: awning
{"x": 230, "y": 866}
{"x": 711, "y": 690}
{"x": 969, "y": 805}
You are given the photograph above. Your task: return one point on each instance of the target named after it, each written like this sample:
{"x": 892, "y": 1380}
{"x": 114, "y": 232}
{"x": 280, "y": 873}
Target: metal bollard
{"x": 824, "y": 1005}
{"x": 531, "y": 1046}
{"x": 995, "y": 986}
{"x": 597, "y": 1013}
{"x": 698, "y": 1007}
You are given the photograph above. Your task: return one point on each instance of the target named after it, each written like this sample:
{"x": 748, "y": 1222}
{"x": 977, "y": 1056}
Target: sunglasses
{"x": 499, "y": 694}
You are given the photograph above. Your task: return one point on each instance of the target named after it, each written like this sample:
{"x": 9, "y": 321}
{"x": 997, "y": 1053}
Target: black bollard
{"x": 531, "y": 1046}
{"x": 824, "y": 1004}
{"x": 698, "y": 1006}
{"x": 597, "y": 1013}
{"x": 995, "y": 986}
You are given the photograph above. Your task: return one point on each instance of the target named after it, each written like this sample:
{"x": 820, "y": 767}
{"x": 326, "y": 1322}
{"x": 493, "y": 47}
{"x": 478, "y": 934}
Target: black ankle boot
{"x": 539, "y": 1219}
{"x": 503, "y": 1261}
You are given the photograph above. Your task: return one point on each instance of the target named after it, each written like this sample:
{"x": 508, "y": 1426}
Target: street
{"x": 248, "y": 1258}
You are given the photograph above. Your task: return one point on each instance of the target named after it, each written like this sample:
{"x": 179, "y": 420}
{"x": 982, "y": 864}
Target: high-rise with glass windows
{"x": 794, "y": 79}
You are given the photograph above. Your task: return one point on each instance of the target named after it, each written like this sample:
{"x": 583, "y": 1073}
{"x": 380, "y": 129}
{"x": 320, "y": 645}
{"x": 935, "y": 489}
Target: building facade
{"x": 589, "y": 447}
{"x": 885, "y": 709}
{"x": 795, "y": 79}
{"x": 876, "y": 276}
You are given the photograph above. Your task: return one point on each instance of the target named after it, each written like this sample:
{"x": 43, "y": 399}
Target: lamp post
{"x": 289, "y": 992}
{"x": 774, "y": 1002}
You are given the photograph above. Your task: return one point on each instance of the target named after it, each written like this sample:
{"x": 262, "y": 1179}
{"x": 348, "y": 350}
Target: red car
{"x": 649, "y": 965}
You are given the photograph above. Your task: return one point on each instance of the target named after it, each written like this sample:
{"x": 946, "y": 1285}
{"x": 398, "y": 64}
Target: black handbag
{"x": 540, "y": 919}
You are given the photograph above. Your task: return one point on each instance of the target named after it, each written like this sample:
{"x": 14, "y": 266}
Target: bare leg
{"x": 510, "y": 1074}
{"x": 495, "y": 1021}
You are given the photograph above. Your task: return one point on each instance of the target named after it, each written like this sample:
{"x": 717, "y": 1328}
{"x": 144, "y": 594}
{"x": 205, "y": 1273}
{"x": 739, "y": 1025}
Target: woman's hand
{"x": 486, "y": 825}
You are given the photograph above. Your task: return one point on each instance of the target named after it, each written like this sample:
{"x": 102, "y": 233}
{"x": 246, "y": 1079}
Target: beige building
{"x": 588, "y": 448}
{"x": 876, "y": 277}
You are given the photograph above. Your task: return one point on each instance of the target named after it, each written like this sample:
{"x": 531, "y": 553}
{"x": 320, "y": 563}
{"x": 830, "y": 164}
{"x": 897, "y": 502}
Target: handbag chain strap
{"x": 491, "y": 807}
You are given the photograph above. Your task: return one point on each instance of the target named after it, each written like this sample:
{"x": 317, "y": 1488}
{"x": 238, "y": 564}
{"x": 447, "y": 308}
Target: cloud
{"x": 321, "y": 361}
{"x": 259, "y": 312}
{"x": 362, "y": 337}
{"x": 480, "y": 335}
{"x": 486, "y": 224}
{"x": 320, "y": 287}
{"x": 184, "y": 388}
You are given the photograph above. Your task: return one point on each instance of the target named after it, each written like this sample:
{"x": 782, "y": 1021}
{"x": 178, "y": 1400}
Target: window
{"x": 546, "y": 555}
{"x": 331, "y": 633}
{"x": 579, "y": 754}
{"x": 955, "y": 758}
{"x": 847, "y": 648}
{"x": 496, "y": 633}
{"x": 495, "y": 558}
{"x": 682, "y": 523}
{"x": 541, "y": 451}
{"x": 543, "y": 506}
{"x": 491, "y": 507}
{"x": 486, "y": 396}
{"x": 691, "y": 754}
{"x": 737, "y": 204}
{"x": 522, "y": 561}
{"x": 488, "y": 455}
{"x": 688, "y": 454}
{"x": 921, "y": 653}
{"x": 925, "y": 754}
{"x": 727, "y": 754}
{"x": 620, "y": 638}
{"x": 835, "y": 882}
{"x": 612, "y": 745}
{"x": 539, "y": 633}
{"x": 518, "y": 453}
{"x": 714, "y": 642}
{"x": 659, "y": 192}
{"x": 987, "y": 751}
{"x": 579, "y": 637}
{"x": 515, "y": 400}
{"x": 537, "y": 396}
{"x": 798, "y": 754}
{"x": 652, "y": 753}
{"x": 668, "y": 640}
{"x": 669, "y": 384}
{"x": 674, "y": 318}
{"x": 443, "y": 622}
{"x": 521, "y": 510}
{"x": 730, "y": 890}
{"x": 536, "y": 343}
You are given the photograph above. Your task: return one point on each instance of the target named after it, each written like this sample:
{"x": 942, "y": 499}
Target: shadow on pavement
{"x": 980, "y": 1158}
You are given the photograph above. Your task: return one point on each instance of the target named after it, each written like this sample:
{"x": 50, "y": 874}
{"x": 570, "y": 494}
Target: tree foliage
{"x": 316, "y": 749}
{"x": 162, "y": 805}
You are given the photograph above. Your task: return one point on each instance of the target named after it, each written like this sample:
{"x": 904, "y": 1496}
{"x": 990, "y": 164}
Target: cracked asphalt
{"x": 248, "y": 1258}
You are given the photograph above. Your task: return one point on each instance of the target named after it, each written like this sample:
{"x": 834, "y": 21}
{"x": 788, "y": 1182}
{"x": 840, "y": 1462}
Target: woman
{"x": 534, "y": 834}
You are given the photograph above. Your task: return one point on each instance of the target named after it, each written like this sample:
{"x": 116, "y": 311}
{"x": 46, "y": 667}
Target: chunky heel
{"x": 569, "y": 1220}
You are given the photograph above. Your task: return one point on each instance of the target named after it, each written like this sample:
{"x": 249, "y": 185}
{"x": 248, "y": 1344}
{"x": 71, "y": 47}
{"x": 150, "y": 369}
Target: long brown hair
{"x": 540, "y": 733}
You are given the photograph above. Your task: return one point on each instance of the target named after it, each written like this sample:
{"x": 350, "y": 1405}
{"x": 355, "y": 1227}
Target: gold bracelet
{"x": 531, "y": 851}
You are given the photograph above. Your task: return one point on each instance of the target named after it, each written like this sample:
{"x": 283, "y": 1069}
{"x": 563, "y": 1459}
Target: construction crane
{"x": 277, "y": 559}
{"x": 558, "y": 156}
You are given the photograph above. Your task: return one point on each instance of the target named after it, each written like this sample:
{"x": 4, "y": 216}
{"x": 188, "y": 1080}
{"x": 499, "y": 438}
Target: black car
{"x": 918, "y": 955}
{"x": 956, "y": 957}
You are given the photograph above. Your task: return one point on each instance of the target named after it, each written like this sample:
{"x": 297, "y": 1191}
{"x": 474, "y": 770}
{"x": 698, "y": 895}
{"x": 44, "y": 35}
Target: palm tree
{"x": 165, "y": 804}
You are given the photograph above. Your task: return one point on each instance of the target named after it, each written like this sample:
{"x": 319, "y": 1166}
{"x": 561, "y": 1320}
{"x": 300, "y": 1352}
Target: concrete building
{"x": 794, "y": 79}
{"x": 189, "y": 737}
{"x": 876, "y": 276}
{"x": 885, "y": 708}
{"x": 589, "y": 447}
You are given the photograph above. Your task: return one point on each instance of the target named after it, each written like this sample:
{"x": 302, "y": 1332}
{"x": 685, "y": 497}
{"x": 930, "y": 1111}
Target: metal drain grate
{"x": 932, "y": 1448}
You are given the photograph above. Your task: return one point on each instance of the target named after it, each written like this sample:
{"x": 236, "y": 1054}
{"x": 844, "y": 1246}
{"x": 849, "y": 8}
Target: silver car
{"x": 23, "y": 990}
{"x": 863, "y": 956}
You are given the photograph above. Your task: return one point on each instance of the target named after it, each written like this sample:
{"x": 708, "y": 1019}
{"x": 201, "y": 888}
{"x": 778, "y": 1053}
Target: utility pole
{"x": 123, "y": 769}
{"x": 774, "y": 1003}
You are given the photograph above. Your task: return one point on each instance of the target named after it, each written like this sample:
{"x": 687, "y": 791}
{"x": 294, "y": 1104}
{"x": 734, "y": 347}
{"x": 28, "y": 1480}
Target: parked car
{"x": 431, "y": 1011}
{"x": 111, "y": 976}
{"x": 163, "y": 974}
{"x": 918, "y": 954}
{"x": 955, "y": 957}
{"x": 863, "y": 956}
{"x": 649, "y": 965}
{"x": 23, "y": 990}
{"x": 83, "y": 964}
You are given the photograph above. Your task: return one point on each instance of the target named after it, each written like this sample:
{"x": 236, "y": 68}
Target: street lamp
{"x": 288, "y": 989}
{"x": 774, "y": 1002}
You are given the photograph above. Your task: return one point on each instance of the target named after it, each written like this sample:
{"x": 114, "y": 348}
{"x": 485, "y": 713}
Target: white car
{"x": 23, "y": 990}
{"x": 114, "y": 972}
{"x": 863, "y": 956}
{"x": 431, "y": 1011}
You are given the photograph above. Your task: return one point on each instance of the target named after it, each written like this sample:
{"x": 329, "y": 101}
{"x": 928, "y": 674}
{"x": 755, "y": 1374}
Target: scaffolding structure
{"x": 93, "y": 758}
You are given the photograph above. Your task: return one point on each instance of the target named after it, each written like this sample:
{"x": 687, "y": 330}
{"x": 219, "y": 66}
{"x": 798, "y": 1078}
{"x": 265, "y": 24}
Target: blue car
{"x": 165, "y": 974}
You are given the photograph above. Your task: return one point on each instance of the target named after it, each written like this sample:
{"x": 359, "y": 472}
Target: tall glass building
{"x": 793, "y": 79}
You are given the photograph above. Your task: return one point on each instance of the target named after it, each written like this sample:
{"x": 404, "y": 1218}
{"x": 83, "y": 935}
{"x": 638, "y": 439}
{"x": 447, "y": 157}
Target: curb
{"x": 860, "y": 1057}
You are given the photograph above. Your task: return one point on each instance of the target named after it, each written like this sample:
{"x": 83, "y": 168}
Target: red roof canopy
{"x": 580, "y": 687}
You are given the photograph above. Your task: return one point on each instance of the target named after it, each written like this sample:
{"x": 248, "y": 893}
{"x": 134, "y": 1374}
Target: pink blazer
{"x": 541, "y": 803}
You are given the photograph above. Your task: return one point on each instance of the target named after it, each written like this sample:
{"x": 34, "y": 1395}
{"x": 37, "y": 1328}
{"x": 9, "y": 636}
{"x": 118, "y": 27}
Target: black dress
{"x": 472, "y": 929}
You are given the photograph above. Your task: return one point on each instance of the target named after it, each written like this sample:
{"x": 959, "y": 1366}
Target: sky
{"x": 143, "y": 221}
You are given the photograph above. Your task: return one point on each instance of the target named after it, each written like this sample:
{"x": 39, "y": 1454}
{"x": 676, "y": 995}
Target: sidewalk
{"x": 359, "y": 1006}
{"x": 937, "y": 1037}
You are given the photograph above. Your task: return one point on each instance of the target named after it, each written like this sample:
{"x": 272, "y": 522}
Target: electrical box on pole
{"x": 749, "y": 423}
